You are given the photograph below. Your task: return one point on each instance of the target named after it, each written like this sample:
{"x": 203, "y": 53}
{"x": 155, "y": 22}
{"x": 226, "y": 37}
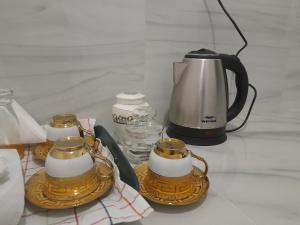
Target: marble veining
{"x": 62, "y": 56}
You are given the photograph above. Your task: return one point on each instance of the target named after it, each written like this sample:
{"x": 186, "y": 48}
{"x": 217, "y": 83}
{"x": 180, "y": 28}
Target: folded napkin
{"x": 11, "y": 187}
{"x": 123, "y": 204}
{"x": 22, "y": 128}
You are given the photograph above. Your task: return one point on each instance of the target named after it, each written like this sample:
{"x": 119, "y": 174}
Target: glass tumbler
{"x": 141, "y": 134}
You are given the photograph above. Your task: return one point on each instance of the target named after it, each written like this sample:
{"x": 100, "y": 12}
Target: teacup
{"x": 62, "y": 125}
{"x": 70, "y": 169}
{"x": 170, "y": 170}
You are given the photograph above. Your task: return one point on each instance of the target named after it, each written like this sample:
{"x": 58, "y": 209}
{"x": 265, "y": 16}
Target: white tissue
{"x": 24, "y": 130}
{"x": 11, "y": 189}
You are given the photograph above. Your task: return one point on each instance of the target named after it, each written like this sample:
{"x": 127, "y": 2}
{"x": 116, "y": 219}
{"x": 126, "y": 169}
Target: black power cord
{"x": 238, "y": 52}
{"x": 235, "y": 26}
{"x": 248, "y": 113}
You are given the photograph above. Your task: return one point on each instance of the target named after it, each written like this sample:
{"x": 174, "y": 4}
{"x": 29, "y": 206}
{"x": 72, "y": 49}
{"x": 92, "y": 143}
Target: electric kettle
{"x": 199, "y": 109}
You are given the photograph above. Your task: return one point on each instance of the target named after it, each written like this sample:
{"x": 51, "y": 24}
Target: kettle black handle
{"x": 233, "y": 63}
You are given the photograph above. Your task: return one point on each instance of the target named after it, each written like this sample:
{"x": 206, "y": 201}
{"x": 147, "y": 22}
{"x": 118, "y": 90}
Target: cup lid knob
{"x": 171, "y": 148}
{"x": 69, "y": 147}
{"x": 64, "y": 121}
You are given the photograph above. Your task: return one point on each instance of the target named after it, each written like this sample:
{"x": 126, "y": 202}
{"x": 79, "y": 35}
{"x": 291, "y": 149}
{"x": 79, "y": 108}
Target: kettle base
{"x": 193, "y": 136}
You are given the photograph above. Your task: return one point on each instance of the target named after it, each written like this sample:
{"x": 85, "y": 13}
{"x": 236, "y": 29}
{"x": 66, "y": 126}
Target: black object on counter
{"x": 127, "y": 174}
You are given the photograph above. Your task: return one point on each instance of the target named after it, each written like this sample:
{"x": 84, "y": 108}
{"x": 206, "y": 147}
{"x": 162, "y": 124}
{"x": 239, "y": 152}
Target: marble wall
{"x": 74, "y": 56}
{"x": 71, "y": 56}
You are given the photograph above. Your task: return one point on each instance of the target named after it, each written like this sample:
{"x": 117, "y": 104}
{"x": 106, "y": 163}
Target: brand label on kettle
{"x": 209, "y": 119}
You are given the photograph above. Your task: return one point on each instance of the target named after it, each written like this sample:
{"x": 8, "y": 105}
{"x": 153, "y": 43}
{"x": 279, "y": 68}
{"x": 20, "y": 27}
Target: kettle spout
{"x": 178, "y": 70}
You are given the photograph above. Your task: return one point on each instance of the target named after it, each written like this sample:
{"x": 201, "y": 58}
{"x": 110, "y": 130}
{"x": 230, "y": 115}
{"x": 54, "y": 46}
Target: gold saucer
{"x": 199, "y": 188}
{"x": 34, "y": 190}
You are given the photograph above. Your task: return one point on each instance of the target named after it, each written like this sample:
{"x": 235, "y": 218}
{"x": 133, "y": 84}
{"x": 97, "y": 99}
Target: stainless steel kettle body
{"x": 198, "y": 110}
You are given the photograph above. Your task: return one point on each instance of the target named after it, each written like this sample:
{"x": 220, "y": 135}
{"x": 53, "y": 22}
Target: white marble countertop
{"x": 254, "y": 177}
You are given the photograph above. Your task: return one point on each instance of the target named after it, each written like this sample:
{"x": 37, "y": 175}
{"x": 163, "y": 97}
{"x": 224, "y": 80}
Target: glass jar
{"x": 141, "y": 134}
{"x": 9, "y": 132}
{"x": 123, "y": 110}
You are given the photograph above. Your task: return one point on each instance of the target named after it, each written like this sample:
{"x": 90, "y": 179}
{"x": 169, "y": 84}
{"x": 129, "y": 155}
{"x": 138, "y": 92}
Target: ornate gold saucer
{"x": 35, "y": 187}
{"x": 174, "y": 195}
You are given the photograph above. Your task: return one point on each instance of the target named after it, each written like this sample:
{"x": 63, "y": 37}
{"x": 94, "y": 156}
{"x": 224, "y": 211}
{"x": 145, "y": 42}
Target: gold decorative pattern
{"x": 35, "y": 186}
{"x": 172, "y": 191}
{"x": 180, "y": 187}
{"x": 71, "y": 188}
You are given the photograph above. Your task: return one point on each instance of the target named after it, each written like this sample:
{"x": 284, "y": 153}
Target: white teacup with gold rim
{"x": 71, "y": 177}
{"x": 69, "y": 166}
{"x": 70, "y": 169}
{"x": 62, "y": 125}
{"x": 171, "y": 158}
{"x": 171, "y": 177}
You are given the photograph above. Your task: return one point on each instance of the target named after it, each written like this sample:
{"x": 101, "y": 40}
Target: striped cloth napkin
{"x": 123, "y": 204}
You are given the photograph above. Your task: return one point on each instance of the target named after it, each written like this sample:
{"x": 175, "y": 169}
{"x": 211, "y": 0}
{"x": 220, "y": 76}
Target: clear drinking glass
{"x": 141, "y": 134}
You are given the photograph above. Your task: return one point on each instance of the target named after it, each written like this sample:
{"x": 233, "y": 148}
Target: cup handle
{"x": 202, "y": 160}
{"x": 96, "y": 154}
{"x": 86, "y": 130}
{"x": 89, "y": 134}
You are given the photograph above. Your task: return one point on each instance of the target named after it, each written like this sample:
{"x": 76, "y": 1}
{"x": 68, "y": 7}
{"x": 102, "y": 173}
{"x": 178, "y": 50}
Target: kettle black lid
{"x": 202, "y": 54}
